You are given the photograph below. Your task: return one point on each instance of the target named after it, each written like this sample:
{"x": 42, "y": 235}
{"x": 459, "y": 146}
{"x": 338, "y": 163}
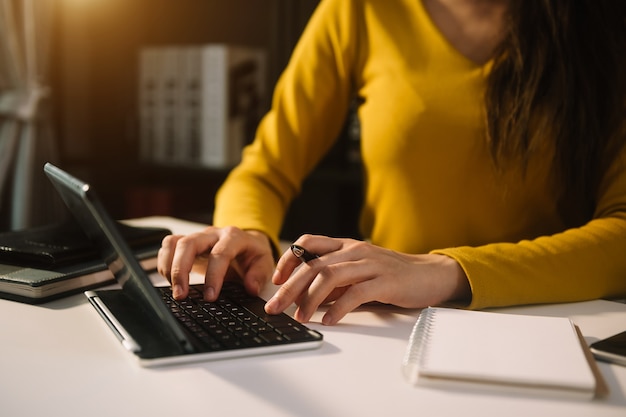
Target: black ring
{"x": 303, "y": 254}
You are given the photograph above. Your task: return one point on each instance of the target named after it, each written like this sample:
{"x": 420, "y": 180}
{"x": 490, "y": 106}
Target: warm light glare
{"x": 79, "y": 3}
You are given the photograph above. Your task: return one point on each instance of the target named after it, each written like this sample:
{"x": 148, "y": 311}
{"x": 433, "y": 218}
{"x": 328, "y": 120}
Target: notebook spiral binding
{"x": 416, "y": 350}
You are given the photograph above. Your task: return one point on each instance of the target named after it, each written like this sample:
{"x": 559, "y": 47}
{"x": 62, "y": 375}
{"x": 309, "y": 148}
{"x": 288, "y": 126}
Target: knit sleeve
{"x": 309, "y": 105}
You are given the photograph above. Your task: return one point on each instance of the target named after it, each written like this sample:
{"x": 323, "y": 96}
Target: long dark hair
{"x": 561, "y": 70}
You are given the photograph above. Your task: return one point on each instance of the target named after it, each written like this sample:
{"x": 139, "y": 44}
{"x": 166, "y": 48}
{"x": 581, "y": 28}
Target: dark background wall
{"x": 94, "y": 65}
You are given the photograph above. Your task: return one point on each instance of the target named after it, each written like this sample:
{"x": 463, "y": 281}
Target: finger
{"x": 295, "y": 283}
{"x": 334, "y": 294}
{"x": 318, "y": 290}
{"x": 354, "y": 296}
{"x": 166, "y": 255}
{"x": 256, "y": 276}
{"x": 291, "y": 290}
{"x": 314, "y": 246}
{"x": 220, "y": 259}
{"x": 327, "y": 282}
{"x": 257, "y": 263}
{"x": 285, "y": 266}
{"x": 187, "y": 249}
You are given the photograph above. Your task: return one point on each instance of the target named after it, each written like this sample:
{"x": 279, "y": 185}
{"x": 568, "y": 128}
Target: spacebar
{"x": 257, "y": 307}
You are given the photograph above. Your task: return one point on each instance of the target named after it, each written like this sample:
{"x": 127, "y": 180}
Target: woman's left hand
{"x": 350, "y": 273}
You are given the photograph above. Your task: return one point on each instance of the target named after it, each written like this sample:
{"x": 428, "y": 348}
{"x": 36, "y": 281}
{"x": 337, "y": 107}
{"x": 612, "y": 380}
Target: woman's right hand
{"x": 219, "y": 254}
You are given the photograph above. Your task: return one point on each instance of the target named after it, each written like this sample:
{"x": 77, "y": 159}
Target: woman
{"x": 492, "y": 136}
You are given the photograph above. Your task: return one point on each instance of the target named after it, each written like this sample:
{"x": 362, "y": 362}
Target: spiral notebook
{"x": 477, "y": 350}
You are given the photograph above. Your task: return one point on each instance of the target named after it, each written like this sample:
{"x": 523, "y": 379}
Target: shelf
{"x": 95, "y": 84}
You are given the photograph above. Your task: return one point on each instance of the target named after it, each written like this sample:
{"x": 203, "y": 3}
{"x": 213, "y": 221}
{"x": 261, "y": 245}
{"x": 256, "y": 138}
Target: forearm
{"x": 579, "y": 264}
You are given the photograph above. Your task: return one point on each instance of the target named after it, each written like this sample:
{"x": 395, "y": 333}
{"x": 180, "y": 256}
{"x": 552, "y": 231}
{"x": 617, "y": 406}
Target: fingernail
{"x": 209, "y": 293}
{"x": 299, "y": 316}
{"x": 275, "y": 276}
{"x": 327, "y": 320}
{"x": 177, "y": 290}
{"x": 272, "y": 305}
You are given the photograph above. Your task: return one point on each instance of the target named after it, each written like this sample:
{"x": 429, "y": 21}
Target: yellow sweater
{"x": 430, "y": 182}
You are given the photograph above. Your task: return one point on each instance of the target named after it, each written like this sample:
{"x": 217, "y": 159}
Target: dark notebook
{"x": 65, "y": 243}
{"x": 48, "y": 262}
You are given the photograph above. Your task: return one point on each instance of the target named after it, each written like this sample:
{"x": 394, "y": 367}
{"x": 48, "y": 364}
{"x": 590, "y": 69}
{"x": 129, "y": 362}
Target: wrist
{"x": 457, "y": 288}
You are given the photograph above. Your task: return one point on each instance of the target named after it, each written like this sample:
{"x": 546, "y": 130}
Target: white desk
{"x": 60, "y": 359}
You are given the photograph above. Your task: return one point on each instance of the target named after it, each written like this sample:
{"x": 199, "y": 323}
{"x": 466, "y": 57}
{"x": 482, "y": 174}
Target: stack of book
{"x": 199, "y": 105}
{"x": 44, "y": 263}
